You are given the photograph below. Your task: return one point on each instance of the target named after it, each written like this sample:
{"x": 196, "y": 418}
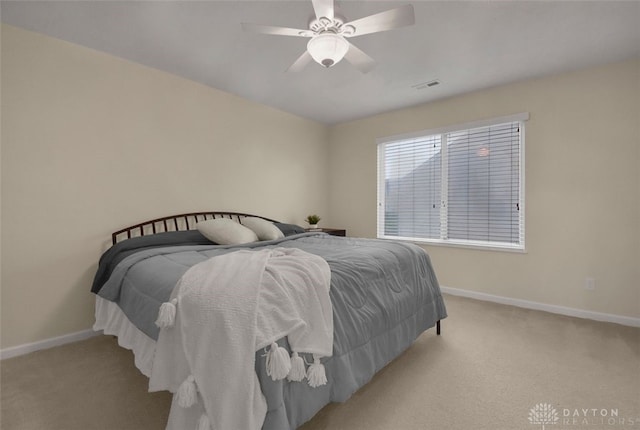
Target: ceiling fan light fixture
{"x": 327, "y": 49}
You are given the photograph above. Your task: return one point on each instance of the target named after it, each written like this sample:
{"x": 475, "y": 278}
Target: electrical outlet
{"x": 590, "y": 284}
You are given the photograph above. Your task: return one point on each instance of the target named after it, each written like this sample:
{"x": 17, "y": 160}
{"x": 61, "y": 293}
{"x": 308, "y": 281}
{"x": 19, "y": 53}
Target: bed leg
{"x": 438, "y": 328}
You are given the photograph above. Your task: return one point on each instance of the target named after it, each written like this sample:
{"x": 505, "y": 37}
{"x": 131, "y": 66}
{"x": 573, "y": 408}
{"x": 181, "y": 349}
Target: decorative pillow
{"x": 289, "y": 229}
{"x": 224, "y": 231}
{"x": 265, "y": 230}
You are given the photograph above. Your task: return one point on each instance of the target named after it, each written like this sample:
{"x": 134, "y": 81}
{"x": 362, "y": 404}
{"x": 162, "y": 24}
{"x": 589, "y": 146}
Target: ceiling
{"x": 467, "y": 46}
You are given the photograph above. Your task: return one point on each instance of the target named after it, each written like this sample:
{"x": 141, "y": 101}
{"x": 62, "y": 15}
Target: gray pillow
{"x": 265, "y": 230}
{"x": 224, "y": 231}
{"x": 289, "y": 229}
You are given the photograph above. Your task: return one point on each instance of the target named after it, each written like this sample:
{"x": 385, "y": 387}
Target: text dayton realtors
{"x": 595, "y": 416}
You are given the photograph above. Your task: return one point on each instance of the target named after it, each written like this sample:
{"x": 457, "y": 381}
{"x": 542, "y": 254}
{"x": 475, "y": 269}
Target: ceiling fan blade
{"x": 383, "y": 21}
{"x": 359, "y": 59}
{"x": 300, "y": 63}
{"x": 323, "y": 8}
{"x": 279, "y": 31}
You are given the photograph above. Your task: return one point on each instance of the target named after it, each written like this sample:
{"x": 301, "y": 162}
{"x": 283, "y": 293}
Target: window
{"x": 463, "y": 185}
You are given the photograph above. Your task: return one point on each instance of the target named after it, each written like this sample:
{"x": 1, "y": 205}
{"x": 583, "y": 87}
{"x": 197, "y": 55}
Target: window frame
{"x": 443, "y": 131}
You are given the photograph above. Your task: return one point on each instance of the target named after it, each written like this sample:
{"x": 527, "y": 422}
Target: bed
{"x": 384, "y": 295}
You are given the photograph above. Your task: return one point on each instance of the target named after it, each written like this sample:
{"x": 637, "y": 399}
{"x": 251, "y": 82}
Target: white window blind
{"x": 463, "y": 186}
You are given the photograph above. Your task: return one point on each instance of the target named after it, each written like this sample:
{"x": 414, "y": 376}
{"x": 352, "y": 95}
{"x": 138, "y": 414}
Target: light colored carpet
{"x": 492, "y": 365}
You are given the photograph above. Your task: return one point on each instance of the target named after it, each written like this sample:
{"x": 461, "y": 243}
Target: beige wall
{"x": 92, "y": 143}
{"x": 582, "y": 187}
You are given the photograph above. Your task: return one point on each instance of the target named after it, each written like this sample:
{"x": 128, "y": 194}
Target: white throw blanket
{"x": 225, "y": 309}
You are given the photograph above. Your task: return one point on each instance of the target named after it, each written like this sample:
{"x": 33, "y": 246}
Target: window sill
{"x": 479, "y": 246}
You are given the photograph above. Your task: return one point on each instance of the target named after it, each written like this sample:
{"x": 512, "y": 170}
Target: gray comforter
{"x": 384, "y": 295}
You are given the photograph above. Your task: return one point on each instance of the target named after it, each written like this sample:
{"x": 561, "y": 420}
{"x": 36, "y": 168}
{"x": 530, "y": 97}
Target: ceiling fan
{"x": 329, "y": 32}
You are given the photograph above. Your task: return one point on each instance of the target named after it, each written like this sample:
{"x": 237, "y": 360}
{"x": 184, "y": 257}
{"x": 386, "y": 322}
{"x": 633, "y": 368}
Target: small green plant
{"x": 313, "y": 219}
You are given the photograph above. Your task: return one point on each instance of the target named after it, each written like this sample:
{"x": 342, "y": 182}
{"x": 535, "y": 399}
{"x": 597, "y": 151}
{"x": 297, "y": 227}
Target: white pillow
{"x": 265, "y": 230}
{"x": 225, "y": 231}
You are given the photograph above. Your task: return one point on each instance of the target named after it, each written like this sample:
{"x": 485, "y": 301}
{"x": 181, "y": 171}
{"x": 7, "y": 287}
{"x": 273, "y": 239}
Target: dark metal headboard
{"x": 177, "y": 223}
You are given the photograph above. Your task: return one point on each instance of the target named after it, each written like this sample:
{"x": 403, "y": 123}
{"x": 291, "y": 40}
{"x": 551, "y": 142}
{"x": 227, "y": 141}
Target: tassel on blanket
{"x": 204, "y": 423}
{"x": 297, "y": 372}
{"x": 278, "y": 362}
{"x": 316, "y": 374}
{"x": 167, "y": 314}
{"x": 187, "y": 394}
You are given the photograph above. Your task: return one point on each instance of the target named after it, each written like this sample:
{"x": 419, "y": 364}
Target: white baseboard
{"x": 15, "y": 351}
{"x": 562, "y": 310}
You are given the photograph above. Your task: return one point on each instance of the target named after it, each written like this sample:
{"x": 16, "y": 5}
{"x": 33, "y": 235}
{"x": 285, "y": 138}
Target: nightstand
{"x": 331, "y": 231}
